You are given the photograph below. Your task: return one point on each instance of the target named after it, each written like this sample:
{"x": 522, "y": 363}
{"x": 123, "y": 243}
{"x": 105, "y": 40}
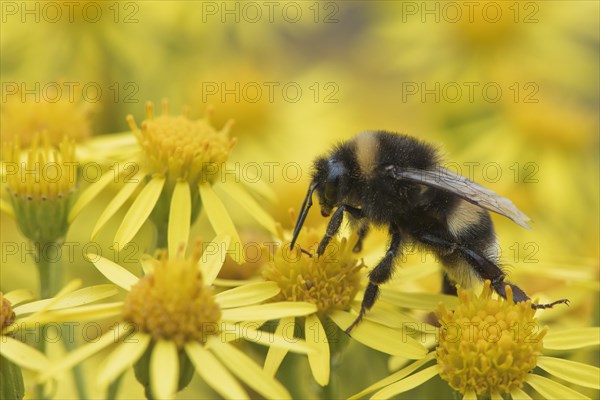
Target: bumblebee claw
{"x": 550, "y": 305}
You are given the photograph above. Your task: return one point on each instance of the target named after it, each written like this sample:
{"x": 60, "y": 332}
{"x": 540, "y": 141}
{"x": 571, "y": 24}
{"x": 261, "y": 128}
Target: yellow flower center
{"x": 172, "y": 302}
{"x": 7, "y": 315}
{"x": 488, "y": 345}
{"x": 330, "y": 281}
{"x": 178, "y": 147}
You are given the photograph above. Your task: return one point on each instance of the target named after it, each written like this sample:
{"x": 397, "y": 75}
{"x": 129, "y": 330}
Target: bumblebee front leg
{"x": 335, "y": 222}
{"x": 486, "y": 269}
{"x": 380, "y": 274}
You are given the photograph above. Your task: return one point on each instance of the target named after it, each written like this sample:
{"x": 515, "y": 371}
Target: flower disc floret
{"x": 172, "y": 302}
{"x": 180, "y": 148}
{"x": 487, "y": 345}
{"x": 7, "y": 315}
{"x": 329, "y": 281}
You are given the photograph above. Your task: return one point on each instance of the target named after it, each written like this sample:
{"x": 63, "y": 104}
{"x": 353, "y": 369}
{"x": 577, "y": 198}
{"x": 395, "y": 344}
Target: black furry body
{"x": 374, "y": 178}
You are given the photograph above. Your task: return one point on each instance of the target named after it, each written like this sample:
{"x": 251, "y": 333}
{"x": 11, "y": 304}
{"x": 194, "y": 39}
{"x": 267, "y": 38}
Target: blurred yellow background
{"x": 508, "y": 90}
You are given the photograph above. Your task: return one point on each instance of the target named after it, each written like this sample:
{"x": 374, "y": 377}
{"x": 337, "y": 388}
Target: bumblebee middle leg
{"x": 486, "y": 269}
{"x": 378, "y": 275}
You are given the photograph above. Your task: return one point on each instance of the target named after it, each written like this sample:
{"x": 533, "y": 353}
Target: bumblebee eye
{"x": 330, "y": 191}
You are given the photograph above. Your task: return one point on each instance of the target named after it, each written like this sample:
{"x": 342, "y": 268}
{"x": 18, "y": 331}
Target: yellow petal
{"x": 379, "y": 337}
{"x": 419, "y": 301}
{"x": 89, "y": 193}
{"x": 180, "y": 215}
{"x": 251, "y": 333}
{"x": 84, "y": 313}
{"x": 518, "y": 394}
{"x": 113, "y": 272}
{"x": 118, "y": 201}
{"x": 213, "y": 372}
{"x": 243, "y": 198}
{"x": 213, "y": 257}
{"x": 147, "y": 264}
{"x": 470, "y": 395}
{"x": 569, "y": 339}
{"x": 83, "y": 352}
{"x": 551, "y": 390}
{"x": 17, "y": 297}
{"x": 77, "y": 298}
{"x": 235, "y": 282}
{"x": 164, "y": 369}
{"x": 408, "y": 383}
{"x": 275, "y": 355}
{"x": 6, "y": 208}
{"x": 68, "y": 288}
{"x": 396, "y": 376}
{"x": 571, "y": 371}
{"x": 261, "y": 188}
{"x": 139, "y": 211}
{"x": 220, "y": 220}
{"x": 320, "y": 361}
{"x": 247, "y": 370}
{"x": 246, "y": 295}
{"x": 124, "y": 356}
{"x": 266, "y": 312}
{"x": 388, "y": 315}
{"x": 23, "y": 355}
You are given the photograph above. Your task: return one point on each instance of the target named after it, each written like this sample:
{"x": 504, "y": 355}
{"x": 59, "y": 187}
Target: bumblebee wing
{"x": 444, "y": 179}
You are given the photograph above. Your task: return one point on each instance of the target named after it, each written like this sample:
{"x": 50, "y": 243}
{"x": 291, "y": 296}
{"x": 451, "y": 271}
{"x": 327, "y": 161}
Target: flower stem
{"x": 50, "y": 270}
{"x": 49, "y": 267}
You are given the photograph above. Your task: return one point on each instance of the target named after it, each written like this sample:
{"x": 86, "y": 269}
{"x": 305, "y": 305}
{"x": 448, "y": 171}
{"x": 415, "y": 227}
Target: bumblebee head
{"x": 330, "y": 176}
{"x": 328, "y": 179}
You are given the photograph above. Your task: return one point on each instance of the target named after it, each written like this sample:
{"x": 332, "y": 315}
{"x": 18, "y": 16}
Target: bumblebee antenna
{"x": 306, "y": 204}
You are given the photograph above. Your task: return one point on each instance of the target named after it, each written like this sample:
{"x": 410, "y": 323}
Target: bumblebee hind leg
{"x": 484, "y": 268}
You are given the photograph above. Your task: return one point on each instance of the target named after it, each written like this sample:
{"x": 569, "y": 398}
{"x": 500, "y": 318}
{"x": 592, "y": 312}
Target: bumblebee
{"x": 395, "y": 181}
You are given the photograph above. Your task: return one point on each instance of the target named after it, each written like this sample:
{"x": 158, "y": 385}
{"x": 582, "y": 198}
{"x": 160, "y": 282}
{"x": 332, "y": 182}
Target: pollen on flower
{"x": 488, "y": 346}
{"x": 330, "y": 281}
{"x": 7, "y": 315}
{"x": 177, "y": 147}
{"x": 172, "y": 302}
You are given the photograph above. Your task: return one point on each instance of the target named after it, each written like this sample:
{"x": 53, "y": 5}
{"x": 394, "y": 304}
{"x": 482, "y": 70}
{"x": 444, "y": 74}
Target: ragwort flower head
{"x": 179, "y": 148}
{"x": 173, "y": 303}
{"x": 41, "y": 186}
{"x": 498, "y": 346}
{"x": 330, "y": 281}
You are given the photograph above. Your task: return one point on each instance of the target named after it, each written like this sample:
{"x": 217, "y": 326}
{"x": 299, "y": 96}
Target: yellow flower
{"x": 332, "y": 282}
{"x": 179, "y": 163}
{"x": 489, "y": 347}
{"x": 18, "y": 313}
{"x": 41, "y": 186}
{"x": 22, "y": 120}
{"x": 172, "y": 312}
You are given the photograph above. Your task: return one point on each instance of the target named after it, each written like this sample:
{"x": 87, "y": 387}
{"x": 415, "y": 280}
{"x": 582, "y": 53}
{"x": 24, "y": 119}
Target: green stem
{"x": 50, "y": 270}
{"x": 78, "y": 375}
